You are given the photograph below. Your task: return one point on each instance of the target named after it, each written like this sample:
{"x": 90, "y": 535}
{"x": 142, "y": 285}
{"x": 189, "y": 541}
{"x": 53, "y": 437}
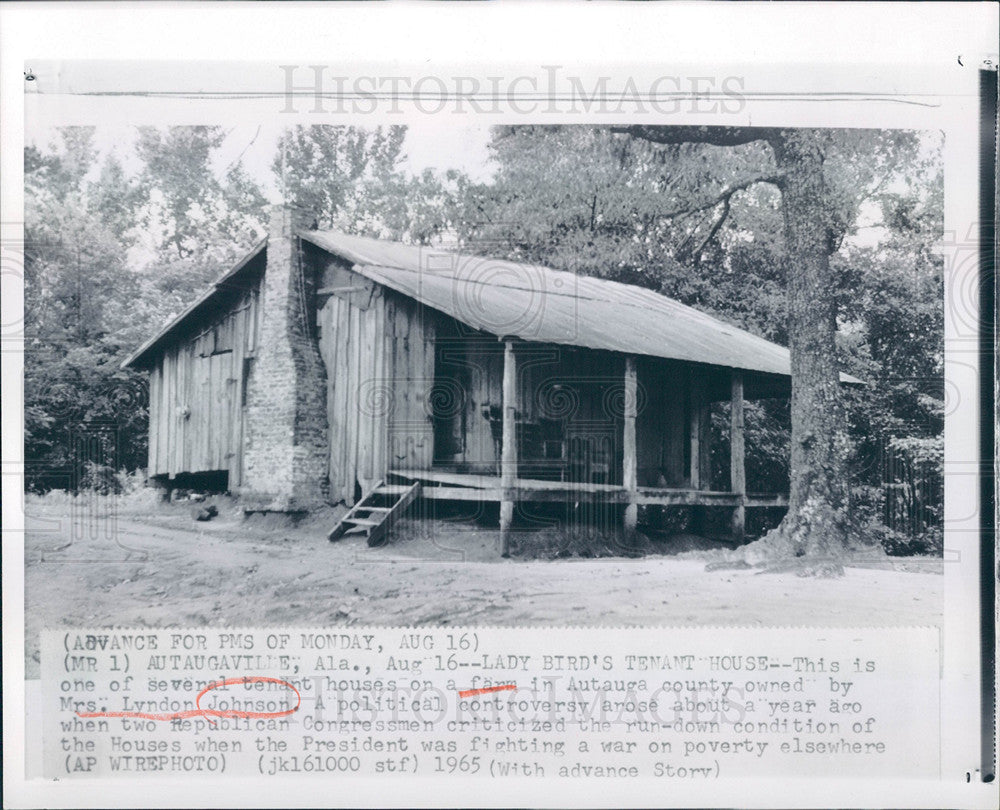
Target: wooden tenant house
{"x": 324, "y": 365}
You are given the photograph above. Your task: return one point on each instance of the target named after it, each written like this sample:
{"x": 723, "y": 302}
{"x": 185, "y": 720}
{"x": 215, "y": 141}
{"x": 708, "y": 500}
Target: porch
{"x": 584, "y": 426}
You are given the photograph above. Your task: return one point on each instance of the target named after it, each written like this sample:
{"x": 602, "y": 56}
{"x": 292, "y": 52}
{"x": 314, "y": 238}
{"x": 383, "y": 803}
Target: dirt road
{"x": 160, "y": 568}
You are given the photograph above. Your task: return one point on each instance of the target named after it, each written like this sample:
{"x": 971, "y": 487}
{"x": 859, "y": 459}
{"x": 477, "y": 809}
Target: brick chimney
{"x": 285, "y": 431}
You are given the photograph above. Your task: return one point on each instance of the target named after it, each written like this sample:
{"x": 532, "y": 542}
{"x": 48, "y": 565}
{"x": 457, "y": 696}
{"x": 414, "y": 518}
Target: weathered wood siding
{"x": 196, "y": 396}
{"x": 584, "y": 389}
{"x": 378, "y": 347}
{"x": 410, "y": 331}
{"x": 481, "y": 358}
{"x": 411, "y": 388}
{"x": 351, "y": 344}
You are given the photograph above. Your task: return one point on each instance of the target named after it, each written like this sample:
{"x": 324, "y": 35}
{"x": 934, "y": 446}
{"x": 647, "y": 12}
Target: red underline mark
{"x": 509, "y": 687}
{"x": 208, "y": 714}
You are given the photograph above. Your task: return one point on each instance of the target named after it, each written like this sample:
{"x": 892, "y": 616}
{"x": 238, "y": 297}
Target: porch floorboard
{"x": 441, "y": 485}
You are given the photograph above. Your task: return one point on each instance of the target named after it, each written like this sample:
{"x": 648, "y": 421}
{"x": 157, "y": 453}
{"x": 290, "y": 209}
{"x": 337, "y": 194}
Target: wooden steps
{"x": 390, "y": 489}
{"x": 375, "y": 513}
{"x": 366, "y": 522}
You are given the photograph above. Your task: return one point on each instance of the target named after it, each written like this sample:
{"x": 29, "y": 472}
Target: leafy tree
{"x": 177, "y": 167}
{"x": 200, "y": 222}
{"x": 78, "y": 291}
{"x": 59, "y": 172}
{"x": 340, "y": 176}
{"x": 239, "y": 210}
{"x": 894, "y": 327}
{"x": 759, "y": 226}
{"x": 115, "y": 198}
{"x": 351, "y": 179}
{"x": 822, "y": 183}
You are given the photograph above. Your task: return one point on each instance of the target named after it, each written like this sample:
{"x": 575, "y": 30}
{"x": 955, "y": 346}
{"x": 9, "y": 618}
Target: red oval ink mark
{"x": 486, "y": 690}
{"x": 208, "y": 714}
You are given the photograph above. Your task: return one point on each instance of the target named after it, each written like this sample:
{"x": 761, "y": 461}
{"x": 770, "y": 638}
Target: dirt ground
{"x": 101, "y": 562}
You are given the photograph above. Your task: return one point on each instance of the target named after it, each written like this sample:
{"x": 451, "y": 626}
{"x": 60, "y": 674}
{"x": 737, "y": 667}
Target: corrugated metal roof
{"x": 553, "y": 306}
{"x": 530, "y": 302}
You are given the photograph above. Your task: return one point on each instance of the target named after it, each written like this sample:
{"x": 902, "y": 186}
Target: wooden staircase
{"x": 375, "y": 513}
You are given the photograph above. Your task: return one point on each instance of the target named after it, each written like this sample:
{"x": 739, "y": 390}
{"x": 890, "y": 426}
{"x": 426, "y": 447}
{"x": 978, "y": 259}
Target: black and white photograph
{"x": 551, "y": 383}
{"x": 607, "y": 430}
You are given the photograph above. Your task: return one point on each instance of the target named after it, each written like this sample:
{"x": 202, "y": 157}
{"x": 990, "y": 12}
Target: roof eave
{"x": 133, "y": 360}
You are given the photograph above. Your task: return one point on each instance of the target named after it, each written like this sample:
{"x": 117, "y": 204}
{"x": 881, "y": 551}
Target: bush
{"x": 99, "y": 478}
{"x": 867, "y": 515}
{"x": 105, "y": 480}
{"x": 666, "y": 519}
{"x": 129, "y": 491}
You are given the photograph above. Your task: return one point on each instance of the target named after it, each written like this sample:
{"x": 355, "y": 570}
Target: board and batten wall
{"x": 196, "y": 390}
{"x": 378, "y": 347}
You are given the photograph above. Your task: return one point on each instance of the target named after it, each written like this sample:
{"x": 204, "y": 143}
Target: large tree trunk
{"x": 816, "y": 524}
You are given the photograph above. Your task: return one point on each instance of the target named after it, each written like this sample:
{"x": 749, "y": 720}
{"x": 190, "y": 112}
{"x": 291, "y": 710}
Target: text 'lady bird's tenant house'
{"x": 325, "y": 364}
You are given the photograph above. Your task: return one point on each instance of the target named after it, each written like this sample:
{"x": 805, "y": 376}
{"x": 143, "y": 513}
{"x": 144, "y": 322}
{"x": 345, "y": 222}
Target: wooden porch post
{"x": 629, "y": 472}
{"x": 737, "y": 465}
{"x": 508, "y": 448}
{"x": 698, "y": 432}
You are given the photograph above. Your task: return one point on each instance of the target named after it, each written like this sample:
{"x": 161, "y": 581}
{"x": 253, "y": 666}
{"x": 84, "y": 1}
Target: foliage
{"x": 190, "y": 207}
{"x": 77, "y": 290}
{"x": 198, "y": 222}
{"x": 351, "y": 179}
{"x": 341, "y": 177}
{"x": 893, "y": 338}
{"x": 766, "y": 429}
{"x": 111, "y": 255}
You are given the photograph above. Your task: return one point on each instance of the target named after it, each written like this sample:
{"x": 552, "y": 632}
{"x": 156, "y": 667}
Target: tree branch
{"x": 726, "y": 195}
{"x": 715, "y": 227}
{"x": 687, "y": 239}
